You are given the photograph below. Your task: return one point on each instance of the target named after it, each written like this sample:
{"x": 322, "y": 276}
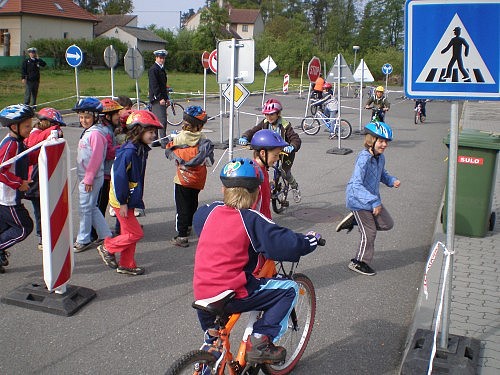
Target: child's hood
{"x": 186, "y": 137}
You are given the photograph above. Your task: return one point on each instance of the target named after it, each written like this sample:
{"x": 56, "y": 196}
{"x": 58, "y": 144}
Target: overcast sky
{"x": 163, "y": 13}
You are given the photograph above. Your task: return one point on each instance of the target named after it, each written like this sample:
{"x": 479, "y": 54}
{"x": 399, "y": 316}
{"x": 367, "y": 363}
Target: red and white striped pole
{"x": 286, "y": 81}
{"x": 55, "y": 207}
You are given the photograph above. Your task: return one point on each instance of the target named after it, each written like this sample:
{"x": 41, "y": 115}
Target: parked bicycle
{"x": 294, "y": 340}
{"x": 174, "y": 110}
{"x": 312, "y": 124}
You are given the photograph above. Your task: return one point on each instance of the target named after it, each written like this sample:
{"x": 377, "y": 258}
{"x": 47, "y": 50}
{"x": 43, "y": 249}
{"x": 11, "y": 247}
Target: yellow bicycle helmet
{"x": 380, "y": 88}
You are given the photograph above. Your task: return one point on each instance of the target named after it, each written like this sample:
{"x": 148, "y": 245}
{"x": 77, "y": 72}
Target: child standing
{"x": 191, "y": 151}
{"x": 272, "y": 111}
{"x": 49, "y": 119}
{"x": 90, "y": 172}
{"x": 363, "y": 196}
{"x": 127, "y": 191}
{"x": 110, "y": 120}
{"x": 15, "y": 221}
{"x": 267, "y": 146}
{"x": 225, "y": 260}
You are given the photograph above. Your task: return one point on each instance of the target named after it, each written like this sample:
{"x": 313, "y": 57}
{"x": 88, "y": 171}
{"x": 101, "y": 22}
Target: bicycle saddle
{"x": 215, "y": 305}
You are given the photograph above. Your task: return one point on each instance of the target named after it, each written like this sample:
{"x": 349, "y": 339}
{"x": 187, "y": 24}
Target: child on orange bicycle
{"x": 231, "y": 236}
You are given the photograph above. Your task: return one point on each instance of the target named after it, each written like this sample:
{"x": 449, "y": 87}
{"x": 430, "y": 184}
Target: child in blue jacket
{"x": 363, "y": 196}
{"x": 126, "y": 192}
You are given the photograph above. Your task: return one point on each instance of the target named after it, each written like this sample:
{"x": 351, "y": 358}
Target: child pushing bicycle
{"x": 231, "y": 236}
{"x": 272, "y": 111}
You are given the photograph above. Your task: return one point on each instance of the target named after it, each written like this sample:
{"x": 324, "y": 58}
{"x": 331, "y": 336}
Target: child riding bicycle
{"x": 272, "y": 110}
{"x": 378, "y": 103}
{"x": 225, "y": 260}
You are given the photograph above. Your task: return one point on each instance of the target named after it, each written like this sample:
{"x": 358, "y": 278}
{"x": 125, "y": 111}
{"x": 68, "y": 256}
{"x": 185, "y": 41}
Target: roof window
{"x": 59, "y": 7}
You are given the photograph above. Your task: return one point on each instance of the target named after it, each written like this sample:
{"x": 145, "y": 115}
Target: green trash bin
{"x": 476, "y": 176}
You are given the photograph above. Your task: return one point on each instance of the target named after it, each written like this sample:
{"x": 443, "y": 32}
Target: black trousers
{"x": 102, "y": 203}
{"x": 186, "y": 203}
{"x": 31, "y": 92}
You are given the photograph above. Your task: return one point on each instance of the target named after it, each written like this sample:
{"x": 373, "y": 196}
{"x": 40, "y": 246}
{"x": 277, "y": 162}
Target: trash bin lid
{"x": 477, "y": 139}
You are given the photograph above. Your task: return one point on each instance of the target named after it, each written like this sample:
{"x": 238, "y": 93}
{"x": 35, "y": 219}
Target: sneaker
{"x": 98, "y": 242}
{"x": 347, "y": 223}
{"x": 297, "y": 196}
{"x": 211, "y": 348}
{"x": 139, "y": 212}
{"x": 4, "y": 254}
{"x": 131, "y": 271}
{"x": 111, "y": 211}
{"x": 189, "y": 231}
{"x": 180, "y": 241}
{"x": 332, "y": 136}
{"x": 361, "y": 267}
{"x": 108, "y": 258}
{"x": 262, "y": 350}
{"x": 40, "y": 246}
{"x": 79, "y": 247}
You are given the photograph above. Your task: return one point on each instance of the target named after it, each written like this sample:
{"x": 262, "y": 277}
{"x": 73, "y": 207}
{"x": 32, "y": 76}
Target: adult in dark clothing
{"x": 30, "y": 75}
{"x": 158, "y": 94}
{"x": 457, "y": 42}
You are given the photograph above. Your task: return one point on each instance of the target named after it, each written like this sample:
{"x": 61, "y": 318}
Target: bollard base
{"x": 339, "y": 151}
{"x": 36, "y": 296}
{"x": 460, "y": 358}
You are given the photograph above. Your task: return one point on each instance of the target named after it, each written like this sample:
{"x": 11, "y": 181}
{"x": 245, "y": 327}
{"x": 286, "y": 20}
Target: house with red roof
{"x": 28, "y": 20}
{"x": 244, "y": 23}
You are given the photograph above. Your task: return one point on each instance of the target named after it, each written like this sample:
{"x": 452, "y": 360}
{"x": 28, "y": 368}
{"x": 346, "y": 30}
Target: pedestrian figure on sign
{"x": 457, "y": 42}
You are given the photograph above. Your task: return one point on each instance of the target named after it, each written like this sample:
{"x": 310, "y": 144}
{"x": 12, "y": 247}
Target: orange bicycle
{"x": 295, "y": 339}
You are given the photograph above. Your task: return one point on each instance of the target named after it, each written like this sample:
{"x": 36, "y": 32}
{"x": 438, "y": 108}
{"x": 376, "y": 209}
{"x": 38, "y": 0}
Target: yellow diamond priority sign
{"x": 241, "y": 93}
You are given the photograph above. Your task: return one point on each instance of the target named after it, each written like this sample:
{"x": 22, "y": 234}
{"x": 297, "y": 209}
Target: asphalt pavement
{"x": 139, "y": 325}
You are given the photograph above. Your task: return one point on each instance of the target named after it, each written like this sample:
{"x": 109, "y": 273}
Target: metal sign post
{"x": 205, "y": 63}
{"x": 134, "y": 66}
{"x": 111, "y": 59}
{"x": 267, "y": 65}
{"x": 386, "y": 69}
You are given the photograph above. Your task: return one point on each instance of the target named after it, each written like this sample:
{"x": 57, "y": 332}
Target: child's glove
{"x": 289, "y": 149}
{"x": 314, "y": 234}
{"x": 243, "y": 141}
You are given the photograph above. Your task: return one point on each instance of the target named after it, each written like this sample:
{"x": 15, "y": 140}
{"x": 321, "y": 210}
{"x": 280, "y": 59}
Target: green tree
{"x": 117, "y": 6}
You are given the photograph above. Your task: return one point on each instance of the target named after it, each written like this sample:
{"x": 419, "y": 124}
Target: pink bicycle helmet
{"x": 272, "y": 106}
{"x": 52, "y": 115}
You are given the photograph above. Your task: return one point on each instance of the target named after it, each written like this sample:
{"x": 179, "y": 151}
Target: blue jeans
{"x": 90, "y": 215}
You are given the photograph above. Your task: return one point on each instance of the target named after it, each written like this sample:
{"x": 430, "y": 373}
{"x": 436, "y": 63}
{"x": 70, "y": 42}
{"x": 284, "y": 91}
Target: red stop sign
{"x": 313, "y": 69}
{"x": 204, "y": 59}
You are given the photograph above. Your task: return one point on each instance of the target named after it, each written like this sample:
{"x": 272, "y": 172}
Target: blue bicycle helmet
{"x": 88, "y": 105}
{"x": 15, "y": 114}
{"x": 195, "y": 115}
{"x": 241, "y": 172}
{"x": 379, "y": 130}
{"x": 266, "y": 139}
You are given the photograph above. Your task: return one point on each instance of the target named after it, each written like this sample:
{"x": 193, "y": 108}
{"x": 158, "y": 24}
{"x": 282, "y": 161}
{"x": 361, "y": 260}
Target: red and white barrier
{"x": 55, "y": 207}
{"x": 286, "y": 81}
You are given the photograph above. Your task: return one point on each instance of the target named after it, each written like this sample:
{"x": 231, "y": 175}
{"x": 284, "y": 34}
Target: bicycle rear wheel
{"x": 195, "y": 362}
{"x": 175, "y": 113}
{"x": 139, "y": 105}
{"x": 279, "y": 194}
{"x": 345, "y": 129}
{"x": 300, "y": 325}
{"x": 310, "y": 125}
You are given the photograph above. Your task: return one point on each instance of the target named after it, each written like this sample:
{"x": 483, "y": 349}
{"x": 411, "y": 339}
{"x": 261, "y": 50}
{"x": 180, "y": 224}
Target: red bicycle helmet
{"x": 143, "y": 118}
{"x": 124, "y": 116}
{"x": 327, "y": 86}
{"x": 272, "y": 106}
{"x": 110, "y": 105}
{"x": 52, "y": 115}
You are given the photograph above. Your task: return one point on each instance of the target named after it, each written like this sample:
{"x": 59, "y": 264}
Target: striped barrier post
{"x": 286, "y": 81}
{"x": 55, "y": 207}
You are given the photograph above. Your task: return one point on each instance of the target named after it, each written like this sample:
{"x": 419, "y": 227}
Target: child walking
{"x": 272, "y": 111}
{"x": 363, "y": 196}
{"x": 231, "y": 237}
{"x": 90, "y": 171}
{"x": 192, "y": 152}
{"x": 127, "y": 191}
{"x": 15, "y": 221}
{"x": 49, "y": 119}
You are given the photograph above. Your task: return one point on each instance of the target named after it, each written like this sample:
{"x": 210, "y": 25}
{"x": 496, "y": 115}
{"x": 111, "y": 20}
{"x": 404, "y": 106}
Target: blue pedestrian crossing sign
{"x": 74, "y": 56}
{"x": 452, "y": 49}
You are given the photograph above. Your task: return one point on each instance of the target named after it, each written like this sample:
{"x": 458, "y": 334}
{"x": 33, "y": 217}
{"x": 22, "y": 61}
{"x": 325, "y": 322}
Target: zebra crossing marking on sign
{"x": 440, "y": 68}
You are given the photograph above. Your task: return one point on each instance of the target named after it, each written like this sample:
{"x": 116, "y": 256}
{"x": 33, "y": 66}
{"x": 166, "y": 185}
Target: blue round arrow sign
{"x": 387, "y": 68}
{"x": 74, "y": 56}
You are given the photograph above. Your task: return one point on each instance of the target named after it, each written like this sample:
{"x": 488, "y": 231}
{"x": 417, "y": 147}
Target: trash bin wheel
{"x": 493, "y": 219}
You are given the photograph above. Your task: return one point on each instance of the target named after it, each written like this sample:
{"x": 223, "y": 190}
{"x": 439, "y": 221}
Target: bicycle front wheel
{"x": 175, "y": 113}
{"x": 310, "y": 125}
{"x": 300, "y": 325}
{"x": 345, "y": 129}
{"x": 195, "y": 362}
{"x": 279, "y": 195}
